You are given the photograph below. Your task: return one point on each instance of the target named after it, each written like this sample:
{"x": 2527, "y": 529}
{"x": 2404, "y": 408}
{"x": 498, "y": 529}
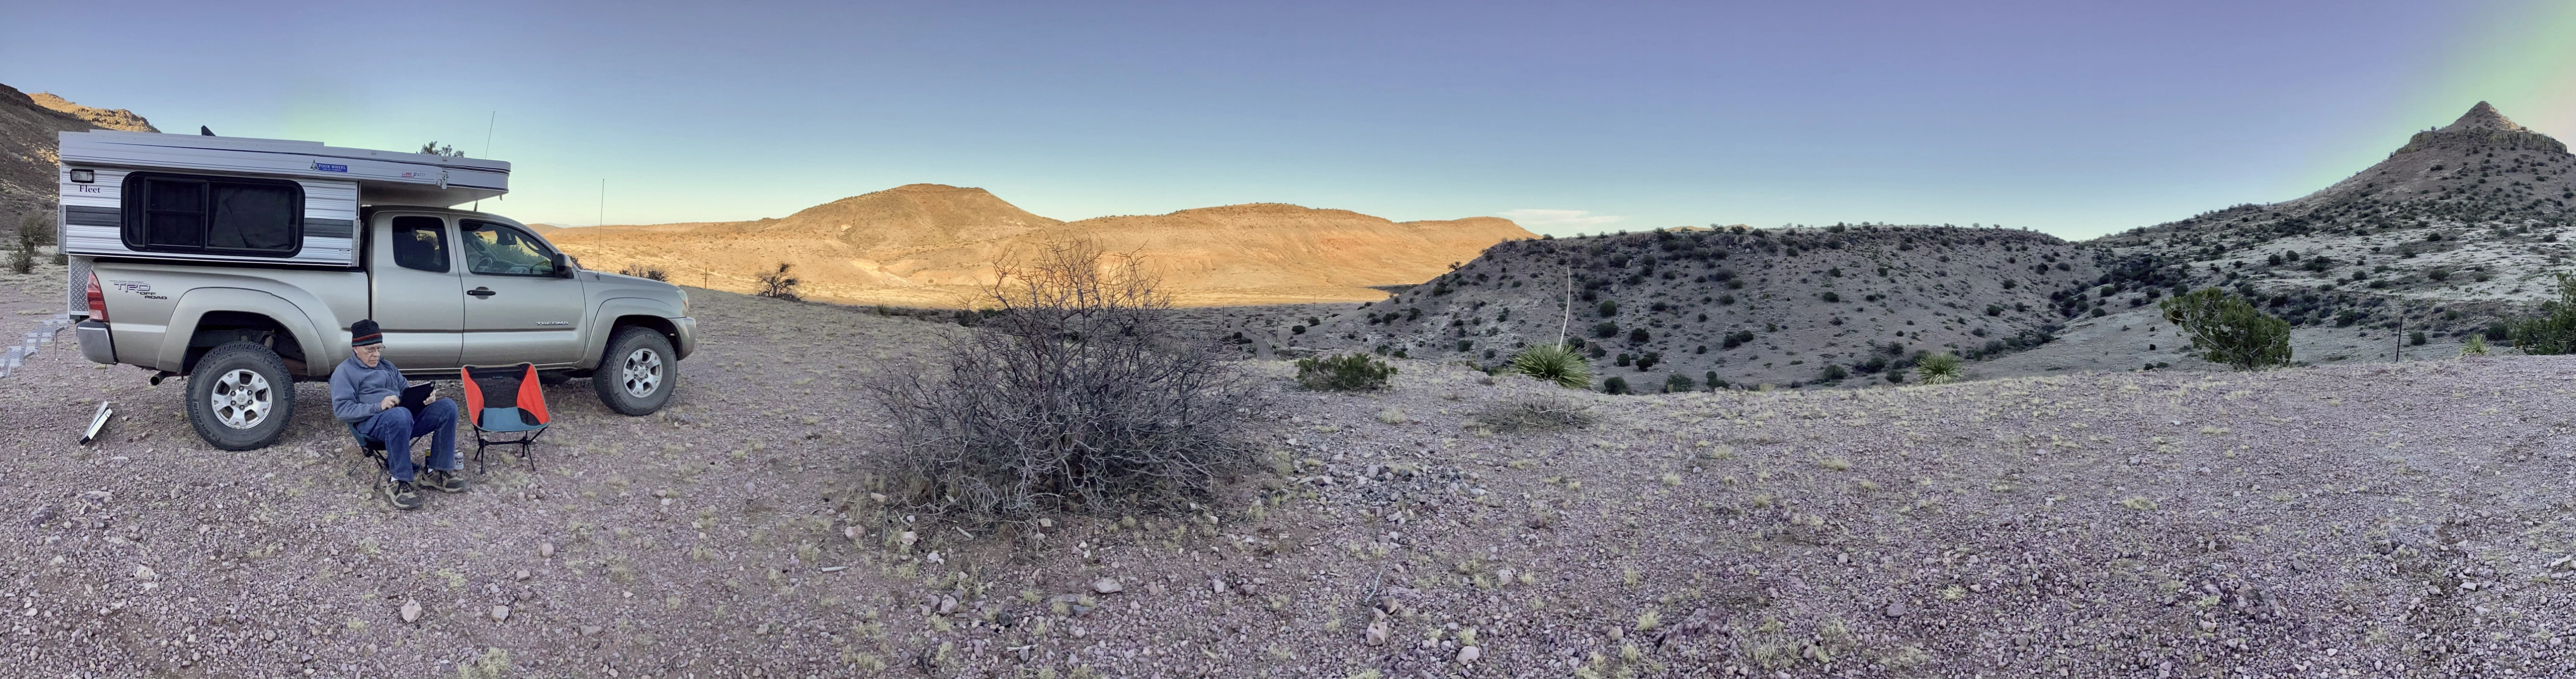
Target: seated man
{"x": 366, "y": 391}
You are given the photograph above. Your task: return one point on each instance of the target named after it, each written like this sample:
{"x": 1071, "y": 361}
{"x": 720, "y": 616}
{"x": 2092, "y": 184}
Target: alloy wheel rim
{"x": 642, "y": 374}
{"x": 241, "y": 399}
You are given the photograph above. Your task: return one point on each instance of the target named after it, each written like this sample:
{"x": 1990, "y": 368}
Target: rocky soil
{"x": 2400, "y": 520}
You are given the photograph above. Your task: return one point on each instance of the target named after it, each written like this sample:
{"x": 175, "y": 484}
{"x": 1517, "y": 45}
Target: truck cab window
{"x": 420, "y": 243}
{"x": 504, "y": 250}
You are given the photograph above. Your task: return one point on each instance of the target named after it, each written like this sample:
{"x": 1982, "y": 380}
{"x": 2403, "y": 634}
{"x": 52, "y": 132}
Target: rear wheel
{"x": 637, "y": 373}
{"x": 240, "y": 397}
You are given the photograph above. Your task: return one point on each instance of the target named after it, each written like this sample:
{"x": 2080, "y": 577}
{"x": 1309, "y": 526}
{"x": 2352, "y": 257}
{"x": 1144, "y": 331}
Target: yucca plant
{"x": 1941, "y": 368}
{"x": 1555, "y": 363}
{"x": 2477, "y": 345}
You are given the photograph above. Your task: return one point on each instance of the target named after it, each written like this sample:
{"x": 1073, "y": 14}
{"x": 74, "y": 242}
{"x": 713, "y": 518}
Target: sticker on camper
{"x": 327, "y": 167}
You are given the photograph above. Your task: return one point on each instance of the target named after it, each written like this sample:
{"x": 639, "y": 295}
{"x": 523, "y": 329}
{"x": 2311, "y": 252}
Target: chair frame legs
{"x": 526, "y": 446}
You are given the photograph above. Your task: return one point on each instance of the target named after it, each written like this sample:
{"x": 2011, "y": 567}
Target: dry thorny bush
{"x": 1074, "y": 395}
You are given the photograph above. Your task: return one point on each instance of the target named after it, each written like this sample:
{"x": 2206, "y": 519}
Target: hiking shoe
{"x": 442, "y": 480}
{"x": 402, "y": 494}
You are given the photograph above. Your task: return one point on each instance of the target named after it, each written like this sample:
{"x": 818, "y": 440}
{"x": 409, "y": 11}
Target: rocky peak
{"x": 2482, "y": 129}
{"x": 2484, "y": 117}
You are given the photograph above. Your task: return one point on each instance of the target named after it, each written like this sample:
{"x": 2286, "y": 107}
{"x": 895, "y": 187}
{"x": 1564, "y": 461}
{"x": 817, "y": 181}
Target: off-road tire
{"x": 618, "y": 378}
{"x": 260, "y": 377}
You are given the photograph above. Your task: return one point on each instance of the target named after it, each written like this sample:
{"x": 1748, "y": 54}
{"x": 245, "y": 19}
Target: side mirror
{"x": 563, "y": 265}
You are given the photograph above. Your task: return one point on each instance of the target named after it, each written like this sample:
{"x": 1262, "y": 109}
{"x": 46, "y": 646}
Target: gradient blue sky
{"x": 2072, "y": 118}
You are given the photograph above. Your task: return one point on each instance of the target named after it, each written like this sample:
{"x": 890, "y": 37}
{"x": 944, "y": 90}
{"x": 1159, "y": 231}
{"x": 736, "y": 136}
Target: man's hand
{"x": 389, "y": 402}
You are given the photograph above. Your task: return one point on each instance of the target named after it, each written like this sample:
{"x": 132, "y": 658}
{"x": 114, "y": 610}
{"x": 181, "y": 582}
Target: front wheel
{"x": 637, "y": 373}
{"x": 240, "y": 397}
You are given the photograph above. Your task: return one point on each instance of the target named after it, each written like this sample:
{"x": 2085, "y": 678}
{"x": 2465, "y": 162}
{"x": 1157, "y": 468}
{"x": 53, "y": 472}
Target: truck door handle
{"x": 485, "y": 293}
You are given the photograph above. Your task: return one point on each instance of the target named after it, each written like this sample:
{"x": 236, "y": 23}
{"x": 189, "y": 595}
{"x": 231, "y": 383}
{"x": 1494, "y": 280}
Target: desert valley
{"x": 1770, "y": 490}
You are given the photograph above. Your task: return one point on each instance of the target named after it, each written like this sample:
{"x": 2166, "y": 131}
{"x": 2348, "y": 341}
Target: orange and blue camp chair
{"x": 524, "y": 414}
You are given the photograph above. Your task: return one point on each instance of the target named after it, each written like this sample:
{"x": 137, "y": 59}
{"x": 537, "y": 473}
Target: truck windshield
{"x": 498, "y": 249}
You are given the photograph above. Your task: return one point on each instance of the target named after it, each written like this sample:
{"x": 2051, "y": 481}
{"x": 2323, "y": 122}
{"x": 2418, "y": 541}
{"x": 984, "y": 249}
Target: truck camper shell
{"x": 263, "y": 202}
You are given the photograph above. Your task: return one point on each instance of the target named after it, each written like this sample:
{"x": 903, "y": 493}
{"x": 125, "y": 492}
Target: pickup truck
{"x": 449, "y": 288}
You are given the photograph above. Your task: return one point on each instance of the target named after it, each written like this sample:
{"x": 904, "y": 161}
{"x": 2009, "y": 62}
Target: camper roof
{"x": 383, "y": 177}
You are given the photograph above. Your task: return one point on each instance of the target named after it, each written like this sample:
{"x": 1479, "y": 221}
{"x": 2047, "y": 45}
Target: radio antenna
{"x": 488, "y": 122}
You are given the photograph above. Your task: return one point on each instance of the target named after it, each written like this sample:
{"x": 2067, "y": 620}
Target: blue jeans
{"x": 396, "y": 427}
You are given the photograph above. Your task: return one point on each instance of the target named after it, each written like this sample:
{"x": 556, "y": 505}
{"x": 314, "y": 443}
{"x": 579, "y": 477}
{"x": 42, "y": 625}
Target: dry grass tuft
{"x": 1536, "y": 413}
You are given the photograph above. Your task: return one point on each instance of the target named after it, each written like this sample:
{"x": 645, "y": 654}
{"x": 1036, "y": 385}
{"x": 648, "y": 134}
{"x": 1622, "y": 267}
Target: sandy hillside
{"x": 932, "y": 245}
{"x": 2396, "y": 521}
{"x": 28, "y": 125}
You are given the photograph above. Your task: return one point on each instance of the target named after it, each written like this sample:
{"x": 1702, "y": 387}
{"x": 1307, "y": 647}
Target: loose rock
{"x": 546, "y": 550}
{"x": 500, "y": 613}
{"x": 1469, "y": 654}
{"x": 1377, "y": 633}
{"x": 1107, "y": 586}
{"x": 1896, "y": 610}
{"x": 411, "y": 611}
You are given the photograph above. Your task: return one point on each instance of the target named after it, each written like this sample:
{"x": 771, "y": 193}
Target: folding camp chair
{"x": 524, "y": 414}
{"x": 375, "y": 450}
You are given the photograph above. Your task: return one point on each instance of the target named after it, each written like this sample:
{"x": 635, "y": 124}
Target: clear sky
{"x": 2072, "y": 118}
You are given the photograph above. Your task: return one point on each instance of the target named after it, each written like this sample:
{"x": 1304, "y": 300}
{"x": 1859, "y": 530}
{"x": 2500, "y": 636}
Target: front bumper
{"x": 687, "y": 329}
{"x": 96, "y": 345}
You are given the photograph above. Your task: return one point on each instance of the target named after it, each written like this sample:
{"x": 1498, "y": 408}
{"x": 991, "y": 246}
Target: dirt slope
{"x": 2460, "y": 224}
{"x": 931, "y": 245}
{"x": 1864, "y": 298}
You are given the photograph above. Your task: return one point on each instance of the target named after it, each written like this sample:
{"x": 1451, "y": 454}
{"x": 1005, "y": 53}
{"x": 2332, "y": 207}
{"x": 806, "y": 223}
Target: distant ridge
{"x": 933, "y": 245}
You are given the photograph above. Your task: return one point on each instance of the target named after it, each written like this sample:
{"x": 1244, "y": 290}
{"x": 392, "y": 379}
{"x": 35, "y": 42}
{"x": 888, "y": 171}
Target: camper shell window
{"x": 210, "y": 214}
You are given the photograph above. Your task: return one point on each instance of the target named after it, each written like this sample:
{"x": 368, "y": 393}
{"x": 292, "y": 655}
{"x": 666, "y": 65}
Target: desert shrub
{"x": 1609, "y": 308}
{"x": 1835, "y": 372}
{"x": 642, "y": 271}
{"x": 2226, "y": 329}
{"x": 1347, "y": 372}
{"x": 1829, "y": 296}
{"x": 2476, "y": 346}
{"x": 2497, "y": 330}
{"x": 778, "y": 285}
{"x": 2416, "y": 338}
{"x": 1648, "y": 361}
{"x": 1078, "y": 394}
{"x": 1638, "y": 335}
{"x": 1605, "y": 330}
{"x": 34, "y": 231}
{"x": 1941, "y": 368}
{"x": 1614, "y": 385}
{"x": 1556, "y": 364}
{"x": 2553, "y": 331}
{"x": 1896, "y": 377}
{"x": 1534, "y": 414}
{"x": 1679, "y": 382}
{"x": 2438, "y": 274}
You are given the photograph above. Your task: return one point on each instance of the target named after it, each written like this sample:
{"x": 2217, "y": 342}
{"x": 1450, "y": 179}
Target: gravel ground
{"x": 2350, "y": 520}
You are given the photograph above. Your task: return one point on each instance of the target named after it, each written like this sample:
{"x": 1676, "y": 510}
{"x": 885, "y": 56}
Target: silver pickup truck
{"x": 246, "y": 279}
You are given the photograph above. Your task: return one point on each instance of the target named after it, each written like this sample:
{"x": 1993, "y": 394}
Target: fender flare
{"x": 193, "y": 306}
{"x": 604, "y": 319}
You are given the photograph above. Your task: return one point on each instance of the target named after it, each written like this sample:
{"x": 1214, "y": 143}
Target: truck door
{"x": 416, "y": 296}
{"x": 521, "y": 309}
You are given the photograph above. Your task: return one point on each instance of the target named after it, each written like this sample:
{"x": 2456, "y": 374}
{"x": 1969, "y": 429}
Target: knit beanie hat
{"x": 364, "y": 332}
